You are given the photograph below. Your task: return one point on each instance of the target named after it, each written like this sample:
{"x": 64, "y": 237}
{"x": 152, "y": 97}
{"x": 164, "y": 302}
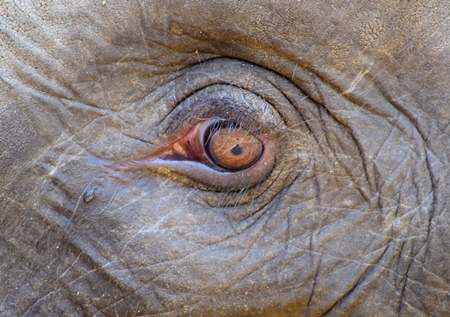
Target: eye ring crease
{"x": 217, "y": 91}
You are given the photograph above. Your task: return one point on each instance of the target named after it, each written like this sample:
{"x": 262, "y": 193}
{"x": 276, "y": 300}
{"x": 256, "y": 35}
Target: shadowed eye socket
{"x": 219, "y": 133}
{"x": 223, "y": 127}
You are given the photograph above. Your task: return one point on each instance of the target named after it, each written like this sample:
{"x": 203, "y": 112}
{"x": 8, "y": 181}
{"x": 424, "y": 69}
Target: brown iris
{"x": 234, "y": 148}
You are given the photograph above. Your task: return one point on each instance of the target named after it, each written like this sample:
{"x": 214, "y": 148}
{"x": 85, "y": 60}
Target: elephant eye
{"x": 220, "y": 144}
{"x": 233, "y": 148}
{"x": 213, "y": 146}
{"x": 218, "y": 153}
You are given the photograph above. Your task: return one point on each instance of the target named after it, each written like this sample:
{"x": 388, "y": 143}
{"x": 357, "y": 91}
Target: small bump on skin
{"x": 89, "y": 196}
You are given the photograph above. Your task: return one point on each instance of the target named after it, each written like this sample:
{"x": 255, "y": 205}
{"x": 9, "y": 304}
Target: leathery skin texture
{"x": 128, "y": 181}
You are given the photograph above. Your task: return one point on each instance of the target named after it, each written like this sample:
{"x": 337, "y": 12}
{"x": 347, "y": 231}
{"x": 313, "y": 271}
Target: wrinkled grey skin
{"x": 356, "y": 221}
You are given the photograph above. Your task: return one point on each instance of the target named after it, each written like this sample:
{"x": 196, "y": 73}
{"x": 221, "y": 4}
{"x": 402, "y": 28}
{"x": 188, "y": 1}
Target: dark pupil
{"x": 236, "y": 150}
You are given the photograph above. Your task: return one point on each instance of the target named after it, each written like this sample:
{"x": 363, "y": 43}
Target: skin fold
{"x": 345, "y": 214}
